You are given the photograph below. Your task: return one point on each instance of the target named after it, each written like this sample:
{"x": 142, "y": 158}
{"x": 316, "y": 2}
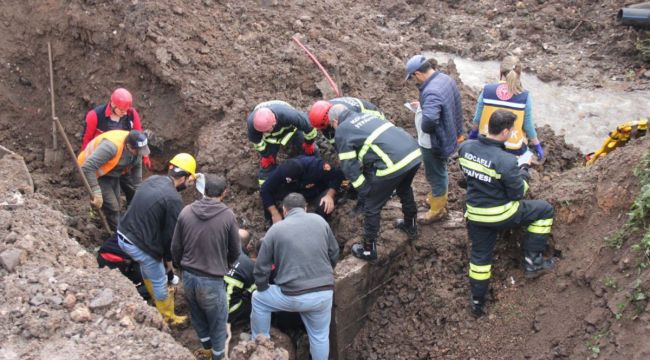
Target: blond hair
{"x": 511, "y": 71}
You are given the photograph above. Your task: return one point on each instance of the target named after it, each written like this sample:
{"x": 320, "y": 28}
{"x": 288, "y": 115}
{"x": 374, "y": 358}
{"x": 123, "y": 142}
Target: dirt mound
{"x": 55, "y": 302}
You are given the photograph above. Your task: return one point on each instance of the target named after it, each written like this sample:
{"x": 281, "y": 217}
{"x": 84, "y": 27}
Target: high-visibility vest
{"x": 497, "y": 97}
{"x": 117, "y": 137}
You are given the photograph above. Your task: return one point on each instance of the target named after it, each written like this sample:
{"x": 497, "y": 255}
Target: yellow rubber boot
{"x": 149, "y": 286}
{"x": 437, "y": 210}
{"x": 166, "y": 308}
{"x": 429, "y": 199}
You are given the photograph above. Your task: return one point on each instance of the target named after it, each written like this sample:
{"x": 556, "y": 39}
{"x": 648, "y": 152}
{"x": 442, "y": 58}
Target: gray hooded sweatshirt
{"x": 206, "y": 239}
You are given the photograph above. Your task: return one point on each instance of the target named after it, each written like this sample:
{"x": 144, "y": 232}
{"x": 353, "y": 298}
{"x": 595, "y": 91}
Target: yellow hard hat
{"x": 184, "y": 161}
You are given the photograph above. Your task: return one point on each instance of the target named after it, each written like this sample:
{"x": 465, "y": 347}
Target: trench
{"x": 583, "y": 115}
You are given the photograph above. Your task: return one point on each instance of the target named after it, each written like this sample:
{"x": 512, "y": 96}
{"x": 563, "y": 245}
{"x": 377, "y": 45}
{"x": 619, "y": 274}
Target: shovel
{"x": 53, "y": 157}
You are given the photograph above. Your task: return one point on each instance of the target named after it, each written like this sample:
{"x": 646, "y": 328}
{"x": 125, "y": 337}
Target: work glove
{"x": 308, "y": 149}
{"x": 539, "y": 151}
{"x": 97, "y": 201}
{"x": 146, "y": 161}
{"x": 267, "y": 161}
{"x": 473, "y": 134}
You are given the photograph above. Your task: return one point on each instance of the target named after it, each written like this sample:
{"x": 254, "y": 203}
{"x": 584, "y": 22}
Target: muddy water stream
{"x": 584, "y": 116}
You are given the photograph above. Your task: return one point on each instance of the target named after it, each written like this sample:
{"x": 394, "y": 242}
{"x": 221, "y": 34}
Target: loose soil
{"x": 197, "y": 68}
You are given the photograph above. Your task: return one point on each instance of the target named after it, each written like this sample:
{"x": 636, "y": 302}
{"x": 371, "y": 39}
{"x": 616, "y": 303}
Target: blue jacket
{"x": 442, "y": 113}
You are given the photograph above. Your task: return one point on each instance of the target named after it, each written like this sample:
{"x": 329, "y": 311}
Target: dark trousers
{"x": 295, "y": 142}
{"x": 380, "y": 191}
{"x": 243, "y": 314}
{"x": 111, "y": 189}
{"x": 537, "y": 215}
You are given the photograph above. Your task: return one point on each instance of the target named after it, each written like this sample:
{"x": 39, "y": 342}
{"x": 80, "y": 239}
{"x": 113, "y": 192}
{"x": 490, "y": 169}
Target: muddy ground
{"x": 197, "y": 68}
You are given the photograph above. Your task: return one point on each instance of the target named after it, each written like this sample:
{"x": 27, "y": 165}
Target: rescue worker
{"x": 240, "y": 284}
{"x": 275, "y": 123}
{"x": 146, "y": 229}
{"x": 496, "y": 186}
{"x": 117, "y": 114}
{"x": 320, "y": 120}
{"x": 304, "y": 250}
{"x": 508, "y": 94}
{"x": 378, "y": 158}
{"x": 440, "y": 129}
{"x": 111, "y": 161}
{"x": 310, "y": 176}
{"x": 205, "y": 243}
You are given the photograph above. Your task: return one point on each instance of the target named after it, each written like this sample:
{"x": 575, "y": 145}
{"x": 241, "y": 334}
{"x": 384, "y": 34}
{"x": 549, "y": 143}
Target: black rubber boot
{"x": 476, "y": 306}
{"x": 535, "y": 265}
{"x": 409, "y": 227}
{"x": 365, "y": 251}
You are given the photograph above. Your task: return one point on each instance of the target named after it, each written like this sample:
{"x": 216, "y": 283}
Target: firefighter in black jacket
{"x": 276, "y": 123}
{"x": 240, "y": 285}
{"x": 310, "y": 176}
{"x": 378, "y": 158}
{"x": 496, "y": 186}
{"x": 320, "y": 120}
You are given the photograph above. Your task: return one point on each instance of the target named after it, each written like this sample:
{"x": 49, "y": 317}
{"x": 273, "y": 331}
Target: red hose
{"x": 322, "y": 69}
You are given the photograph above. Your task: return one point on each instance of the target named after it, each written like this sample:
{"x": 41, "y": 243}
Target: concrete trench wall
{"x": 358, "y": 284}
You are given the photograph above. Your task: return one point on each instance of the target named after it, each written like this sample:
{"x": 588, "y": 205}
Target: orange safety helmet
{"x": 264, "y": 120}
{"x": 122, "y": 99}
{"x": 318, "y": 114}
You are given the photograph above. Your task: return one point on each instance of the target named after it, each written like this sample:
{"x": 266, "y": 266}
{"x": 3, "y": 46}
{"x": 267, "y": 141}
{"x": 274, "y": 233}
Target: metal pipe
{"x": 635, "y": 15}
{"x": 322, "y": 69}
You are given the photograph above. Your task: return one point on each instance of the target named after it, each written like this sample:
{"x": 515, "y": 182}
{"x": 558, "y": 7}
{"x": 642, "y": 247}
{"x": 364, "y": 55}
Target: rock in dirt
{"x": 11, "y": 258}
{"x": 103, "y": 299}
{"x": 163, "y": 55}
{"x": 596, "y": 316}
{"x": 69, "y": 301}
{"x": 80, "y": 314}
{"x": 260, "y": 349}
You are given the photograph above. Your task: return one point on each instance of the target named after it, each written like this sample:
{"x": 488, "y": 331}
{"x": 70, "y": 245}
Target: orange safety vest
{"x": 117, "y": 137}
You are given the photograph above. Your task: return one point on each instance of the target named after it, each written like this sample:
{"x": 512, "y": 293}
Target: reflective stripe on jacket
{"x": 288, "y": 121}
{"x": 496, "y": 97}
{"x": 495, "y": 183}
{"x": 371, "y": 147}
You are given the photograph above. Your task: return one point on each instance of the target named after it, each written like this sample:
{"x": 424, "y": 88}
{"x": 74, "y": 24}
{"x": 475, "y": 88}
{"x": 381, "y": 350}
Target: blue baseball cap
{"x": 414, "y": 64}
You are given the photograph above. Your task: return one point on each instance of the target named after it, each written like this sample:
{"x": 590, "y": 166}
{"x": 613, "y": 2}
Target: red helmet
{"x": 318, "y": 114}
{"x": 122, "y": 99}
{"x": 264, "y": 120}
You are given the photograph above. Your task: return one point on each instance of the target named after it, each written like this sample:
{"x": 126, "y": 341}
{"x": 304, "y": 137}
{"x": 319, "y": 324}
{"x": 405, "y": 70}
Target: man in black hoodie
{"x": 205, "y": 244}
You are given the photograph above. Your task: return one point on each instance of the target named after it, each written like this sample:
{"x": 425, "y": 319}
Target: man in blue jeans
{"x": 304, "y": 250}
{"x": 145, "y": 231}
{"x": 205, "y": 244}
